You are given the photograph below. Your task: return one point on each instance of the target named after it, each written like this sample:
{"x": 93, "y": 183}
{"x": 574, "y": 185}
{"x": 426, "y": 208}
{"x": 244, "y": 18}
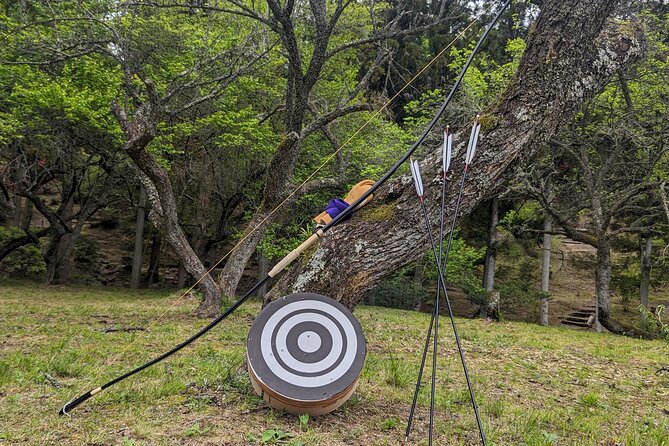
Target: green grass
{"x": 535, "y": 385}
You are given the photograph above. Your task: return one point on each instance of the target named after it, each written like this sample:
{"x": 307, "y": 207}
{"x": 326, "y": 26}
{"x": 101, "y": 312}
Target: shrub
{"x": 626, "y": 286}
{"x": 398, "y": 292}
{"x": 25, "y": 261}
{"x": 655, "y": 321}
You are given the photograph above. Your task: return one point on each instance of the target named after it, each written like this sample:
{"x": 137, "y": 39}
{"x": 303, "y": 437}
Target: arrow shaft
{"x": 442, "y": 285}
{"x": 435, "y": 311}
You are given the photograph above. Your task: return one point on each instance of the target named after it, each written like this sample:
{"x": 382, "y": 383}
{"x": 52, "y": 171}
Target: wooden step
{"x": 576, "y": 324}
{"x": 581, "y": 313}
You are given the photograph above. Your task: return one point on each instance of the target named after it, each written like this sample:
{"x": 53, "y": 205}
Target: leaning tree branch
{"x": 327, "y": 118}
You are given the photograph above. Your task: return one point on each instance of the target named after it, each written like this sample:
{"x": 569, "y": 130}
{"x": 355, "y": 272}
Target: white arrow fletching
{"x": 473, "y": 143}
{"x": 448, "y": 148}
{"x": 450, "y": 151}
{"x": 417, "y": 180}
{"x": 471, "y": 140}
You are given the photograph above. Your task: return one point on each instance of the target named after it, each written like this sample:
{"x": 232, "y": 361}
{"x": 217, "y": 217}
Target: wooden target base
{"x": 305, "y": 354}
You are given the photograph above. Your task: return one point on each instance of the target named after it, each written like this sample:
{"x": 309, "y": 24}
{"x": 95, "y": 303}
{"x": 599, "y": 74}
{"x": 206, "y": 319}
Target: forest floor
{"x": 535, "y": 385}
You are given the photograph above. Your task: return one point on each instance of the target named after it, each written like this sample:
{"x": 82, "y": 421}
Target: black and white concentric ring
{"x": 306, "y": 346}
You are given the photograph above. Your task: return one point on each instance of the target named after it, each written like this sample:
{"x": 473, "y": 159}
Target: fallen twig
{"x": 124, "y": 329}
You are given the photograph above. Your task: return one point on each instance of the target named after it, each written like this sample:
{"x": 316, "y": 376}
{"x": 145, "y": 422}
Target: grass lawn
{"x": 535, "y": 385}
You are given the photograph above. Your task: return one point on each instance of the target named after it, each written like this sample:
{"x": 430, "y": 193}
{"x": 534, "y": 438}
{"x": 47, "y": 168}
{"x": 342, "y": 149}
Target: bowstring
{"x": 292, "y": 193}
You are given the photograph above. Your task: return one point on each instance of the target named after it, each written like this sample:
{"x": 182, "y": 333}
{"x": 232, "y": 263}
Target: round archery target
{"x": 304, "y": 350}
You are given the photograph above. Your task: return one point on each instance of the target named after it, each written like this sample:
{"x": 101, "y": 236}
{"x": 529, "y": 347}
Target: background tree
{"x": 58, "y": 144}
{"x": 604, "y": 169}
{"x": 168, "y": 68}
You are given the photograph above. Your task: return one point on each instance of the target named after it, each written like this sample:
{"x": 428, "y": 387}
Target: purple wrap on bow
{"x": 335, "y": 207}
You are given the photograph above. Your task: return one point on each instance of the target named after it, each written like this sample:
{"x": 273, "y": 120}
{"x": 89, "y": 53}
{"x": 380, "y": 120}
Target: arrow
{"x": 434, "y": 319}
{"x": 417, "y": 180}
{"x": 471, "y": 149}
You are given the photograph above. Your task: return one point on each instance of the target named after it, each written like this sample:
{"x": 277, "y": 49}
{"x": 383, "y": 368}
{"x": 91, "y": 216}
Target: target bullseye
{"x": 309, "y": 341}
{"x": 305, "y": 353}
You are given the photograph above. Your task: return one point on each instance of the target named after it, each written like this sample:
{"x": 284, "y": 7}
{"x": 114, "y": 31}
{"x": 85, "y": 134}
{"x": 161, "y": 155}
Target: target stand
{"x": 305, "y": 354}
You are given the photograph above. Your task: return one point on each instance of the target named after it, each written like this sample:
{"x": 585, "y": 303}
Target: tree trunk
{"x": 263, "y": 267}
{"x": 58, "y": 262}
{"x": 140, "y": 130}
{"x": 136, "y": 274}
{"x": 570, "y": 56}
{"x": 603, "y": 296}
{"x": 644, "y": 274}
{"x": 27, "y": 215}
{"x": 279, "y": 172}
{"x": 163, "y": 210}
{"x": 234, "y": 267}
{"x": 489, "y": 265}
{"x": 154, "y": 258}
{"x": 546, "y": 267}
{"x": 16, "y": 217}
{"x": 602, "y": 284}
{"x": 181, "y": 276}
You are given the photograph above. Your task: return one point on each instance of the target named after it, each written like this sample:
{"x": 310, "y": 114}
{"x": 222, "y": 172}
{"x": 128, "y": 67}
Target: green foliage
{"x": 519, "y": 290}
{"x": 26, "y": 261}
{"x": 402, "y": 291}
{"x": 303, "y": 421}
{"x": 279, "y": 240}
{"x": 398, "y": 291}
{"x": 389, "y": 423}
{"x": 482, "y": 84}
{"x": 275, "y": 435}
{"x": 525, "y": 223}
{"x": 655, "y": 322}
{"x": 195, "y": 430}
{"x": 460, "y": 269}
{"x": 397, "y": 372}
{"x": 626, "y": 286}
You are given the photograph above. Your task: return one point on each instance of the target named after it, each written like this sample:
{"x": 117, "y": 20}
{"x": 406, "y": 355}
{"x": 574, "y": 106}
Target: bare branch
{"x": 383, "y": 35}
{"x": 327, "y": 118}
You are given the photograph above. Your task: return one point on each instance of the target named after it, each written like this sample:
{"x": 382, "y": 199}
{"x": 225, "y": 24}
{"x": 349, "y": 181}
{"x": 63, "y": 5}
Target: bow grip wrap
{"x": 292, "y": 255}
{"x": 75, "y": 402}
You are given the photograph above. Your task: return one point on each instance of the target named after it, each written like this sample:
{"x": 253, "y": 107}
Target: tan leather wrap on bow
{"x": 356, "y": 192}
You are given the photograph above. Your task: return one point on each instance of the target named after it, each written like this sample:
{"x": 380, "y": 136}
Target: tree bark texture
{"x": 644, "y": 274}
{"x": 136, "y": 275}
{"x": 570, "y": 56}
{"x": 546, "y": 267}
